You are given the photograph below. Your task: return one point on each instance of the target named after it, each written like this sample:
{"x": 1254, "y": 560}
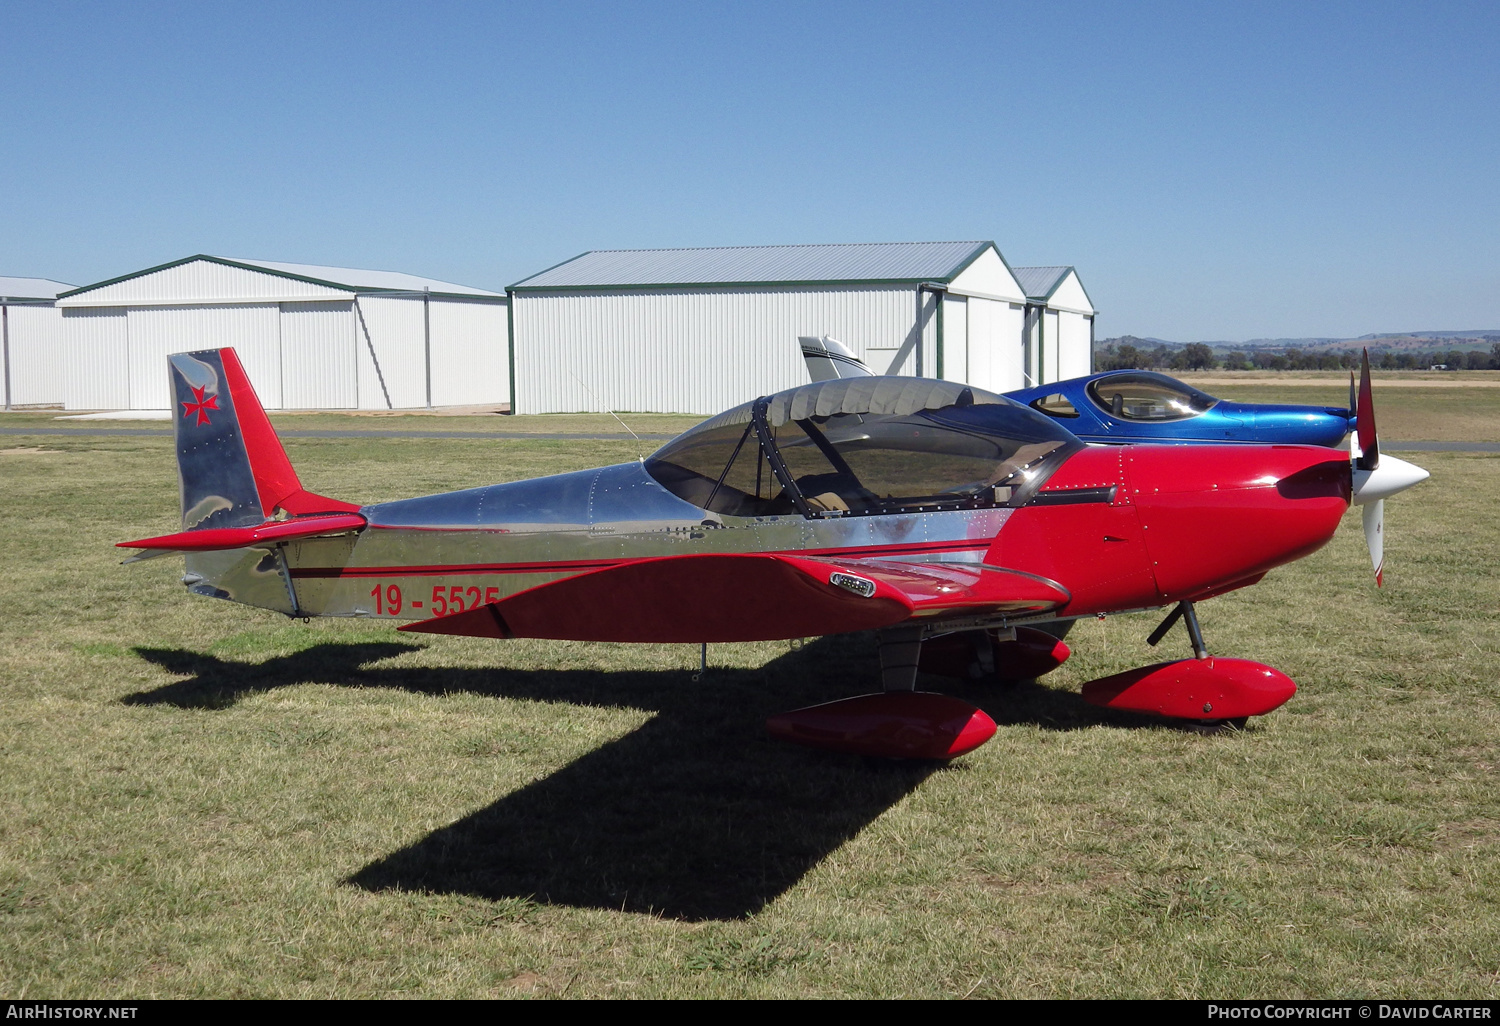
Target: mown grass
{"x": 197, "y": 799}
{"x": 1411, "y": 413}
{"x": 1433, "y": 406}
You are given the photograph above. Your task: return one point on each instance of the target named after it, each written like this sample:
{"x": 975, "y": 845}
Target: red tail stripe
{"x": 275, "y": 481}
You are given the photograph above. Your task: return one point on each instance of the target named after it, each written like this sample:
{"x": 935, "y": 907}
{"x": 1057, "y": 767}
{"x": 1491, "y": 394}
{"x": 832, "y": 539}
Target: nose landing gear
{"x": 1211, "y": 691}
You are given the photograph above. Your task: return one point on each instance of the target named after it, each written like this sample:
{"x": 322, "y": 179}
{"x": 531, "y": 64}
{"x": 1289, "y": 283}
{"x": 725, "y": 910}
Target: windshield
{"x": 1143, "y": 395}
{"x": 979, "y": 450}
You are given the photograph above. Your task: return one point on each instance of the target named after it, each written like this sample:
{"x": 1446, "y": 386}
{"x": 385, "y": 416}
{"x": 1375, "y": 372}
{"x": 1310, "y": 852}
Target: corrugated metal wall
{"x": 254, "y": 330}
{"x": 997, "y": 358}
{"x": 36, "y": 355}
{"x": 1072, "y": 345}
{"x": 392, "y": 363}
{"x": 318, "y": 356}
{"x": 96, "y": 354}
{"x": 956, "y": 339}
{"x": 1050, "y": 347}
{"x": 681, "y": 351}
{"x": 470, "y": 353}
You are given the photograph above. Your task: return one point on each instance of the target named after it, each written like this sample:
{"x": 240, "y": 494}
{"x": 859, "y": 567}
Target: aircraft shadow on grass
{"x": 695, "y": 815}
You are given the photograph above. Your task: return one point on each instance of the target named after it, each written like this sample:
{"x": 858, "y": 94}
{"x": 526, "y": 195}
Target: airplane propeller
{"x": 1375, "y": 477}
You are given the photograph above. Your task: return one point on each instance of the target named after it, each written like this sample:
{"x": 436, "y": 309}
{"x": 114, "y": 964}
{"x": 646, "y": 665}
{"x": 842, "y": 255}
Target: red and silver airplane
{"x": 953, "y": 521}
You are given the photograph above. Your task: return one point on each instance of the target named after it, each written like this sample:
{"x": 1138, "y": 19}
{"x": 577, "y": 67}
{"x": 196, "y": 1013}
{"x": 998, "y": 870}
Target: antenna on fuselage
{"x": 639, "y": 455}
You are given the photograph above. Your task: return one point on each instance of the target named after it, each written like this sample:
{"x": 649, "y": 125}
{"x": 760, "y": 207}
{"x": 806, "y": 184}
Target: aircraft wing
{"x": 749, "y": 597}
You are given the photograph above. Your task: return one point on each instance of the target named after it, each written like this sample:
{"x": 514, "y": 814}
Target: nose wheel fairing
{"x": 1210, "y": 688}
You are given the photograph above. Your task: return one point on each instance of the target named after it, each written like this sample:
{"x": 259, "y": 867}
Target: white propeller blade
{"x": 1376, "y": 476}
{"x": 1374, "y": 514}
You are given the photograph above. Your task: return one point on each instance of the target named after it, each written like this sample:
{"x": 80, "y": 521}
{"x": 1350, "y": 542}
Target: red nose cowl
{"x": 1216, "y": 515}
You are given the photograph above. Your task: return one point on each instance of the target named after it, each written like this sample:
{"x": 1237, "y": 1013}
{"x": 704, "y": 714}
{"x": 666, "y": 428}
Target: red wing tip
{"x": 976, "y": 732}
{"x": 889, "y": 725}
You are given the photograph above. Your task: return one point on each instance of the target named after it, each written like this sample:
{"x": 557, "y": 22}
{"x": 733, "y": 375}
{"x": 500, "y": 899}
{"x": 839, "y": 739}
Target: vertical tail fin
{"x": 232, "y": 468}
{"x": 827, "y": 357}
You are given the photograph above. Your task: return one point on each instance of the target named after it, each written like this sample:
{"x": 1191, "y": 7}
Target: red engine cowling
{"x": 1215, "y": 688}
{"x": 891, "y": 725}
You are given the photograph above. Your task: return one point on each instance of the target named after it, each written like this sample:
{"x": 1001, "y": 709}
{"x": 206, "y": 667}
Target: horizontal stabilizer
{"x": 746, "y": 597}
{"x": 211, "y": 539}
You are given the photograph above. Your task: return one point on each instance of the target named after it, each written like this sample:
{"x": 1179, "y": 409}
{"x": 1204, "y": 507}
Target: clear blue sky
{"x": 1215, "y": 171}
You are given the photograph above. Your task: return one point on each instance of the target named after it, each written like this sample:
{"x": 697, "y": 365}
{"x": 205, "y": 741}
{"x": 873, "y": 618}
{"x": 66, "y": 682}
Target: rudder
{"x": 231, "y": 467}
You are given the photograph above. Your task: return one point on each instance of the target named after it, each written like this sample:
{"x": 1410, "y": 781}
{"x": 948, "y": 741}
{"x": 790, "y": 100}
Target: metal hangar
{"x": 310, "y": 337}
{"x": 699, "y": 330}
{"x": 1059, "y": 330}
{"x": 31, "y": 338}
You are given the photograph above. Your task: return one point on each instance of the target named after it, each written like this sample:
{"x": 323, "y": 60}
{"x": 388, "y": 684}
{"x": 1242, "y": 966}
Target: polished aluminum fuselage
{"x": 446, "y": 553}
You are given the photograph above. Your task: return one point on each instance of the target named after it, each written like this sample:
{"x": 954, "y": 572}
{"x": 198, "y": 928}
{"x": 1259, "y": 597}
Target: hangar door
{"x": 156, "y": 331}
{"x": 318, "y": 356}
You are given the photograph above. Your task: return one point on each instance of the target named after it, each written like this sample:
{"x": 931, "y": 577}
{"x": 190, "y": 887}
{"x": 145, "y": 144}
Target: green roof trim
{"x": 1068, "y": 269}
{"x": 517, "y": 289}
{"x": 761, "y": 266}
{"x": 275, "y": 273}
{"x": 978, "y": 252}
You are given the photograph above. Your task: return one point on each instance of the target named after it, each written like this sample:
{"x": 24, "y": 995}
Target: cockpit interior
{"x": 863, "y": 446}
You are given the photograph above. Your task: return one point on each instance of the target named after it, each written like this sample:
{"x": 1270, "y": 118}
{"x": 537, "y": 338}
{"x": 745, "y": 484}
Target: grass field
{"x": 197, "y": 799}
{"x": 1412, "y": 406}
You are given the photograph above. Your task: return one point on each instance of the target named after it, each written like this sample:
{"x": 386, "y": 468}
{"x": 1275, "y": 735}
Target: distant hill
{"x": 1451, "y": 350}
{"x": 1397, "y": 341}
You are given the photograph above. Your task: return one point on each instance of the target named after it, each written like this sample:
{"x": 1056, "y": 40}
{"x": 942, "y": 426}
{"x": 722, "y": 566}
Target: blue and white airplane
{"x": 1134, "y": 406}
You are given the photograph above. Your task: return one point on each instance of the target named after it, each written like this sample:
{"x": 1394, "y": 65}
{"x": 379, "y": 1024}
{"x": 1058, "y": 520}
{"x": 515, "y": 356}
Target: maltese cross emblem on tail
{"x": 200, "y": 406}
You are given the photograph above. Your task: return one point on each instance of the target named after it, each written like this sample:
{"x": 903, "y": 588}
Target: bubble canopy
{"x": 862, "y": 446}
{"x": 1146, "y": 395}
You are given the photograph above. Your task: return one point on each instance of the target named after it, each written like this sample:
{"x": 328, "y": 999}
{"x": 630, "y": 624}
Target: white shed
{"x": 699, "y": 330}
{"x": 31, "y": 330}
{"x": 1059, "y": 324}
{"x": 310, "y": 337}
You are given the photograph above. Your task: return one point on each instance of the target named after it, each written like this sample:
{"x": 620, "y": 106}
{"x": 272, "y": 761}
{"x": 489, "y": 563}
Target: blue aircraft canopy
{"x": 1146, "y": 395}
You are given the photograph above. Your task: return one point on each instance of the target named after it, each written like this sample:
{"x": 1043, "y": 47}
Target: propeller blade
{"x": 1353, "y": 413}
{"x": 1372, "y": 479}
{"x": 1369, "y": 443}
{"x": 1374, "y": 514}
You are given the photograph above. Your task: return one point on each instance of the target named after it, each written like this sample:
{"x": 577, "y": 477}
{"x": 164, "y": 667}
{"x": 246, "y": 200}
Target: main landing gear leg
{"x": 900, "y": 651}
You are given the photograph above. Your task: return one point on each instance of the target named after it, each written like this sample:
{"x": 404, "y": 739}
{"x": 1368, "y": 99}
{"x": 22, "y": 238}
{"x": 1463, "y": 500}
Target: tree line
{"x": 1198, "y": 356}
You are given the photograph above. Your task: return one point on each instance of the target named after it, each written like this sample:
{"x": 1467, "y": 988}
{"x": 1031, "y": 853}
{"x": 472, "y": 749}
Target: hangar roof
{"x": 1040, "y": 282}
{"x": 361, "y": 280}
{"x": 1051, "y": 285}
{"x": 31, "y": 288}
{"x": 343, "y": 279}
{"x": 870, "y": 262}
